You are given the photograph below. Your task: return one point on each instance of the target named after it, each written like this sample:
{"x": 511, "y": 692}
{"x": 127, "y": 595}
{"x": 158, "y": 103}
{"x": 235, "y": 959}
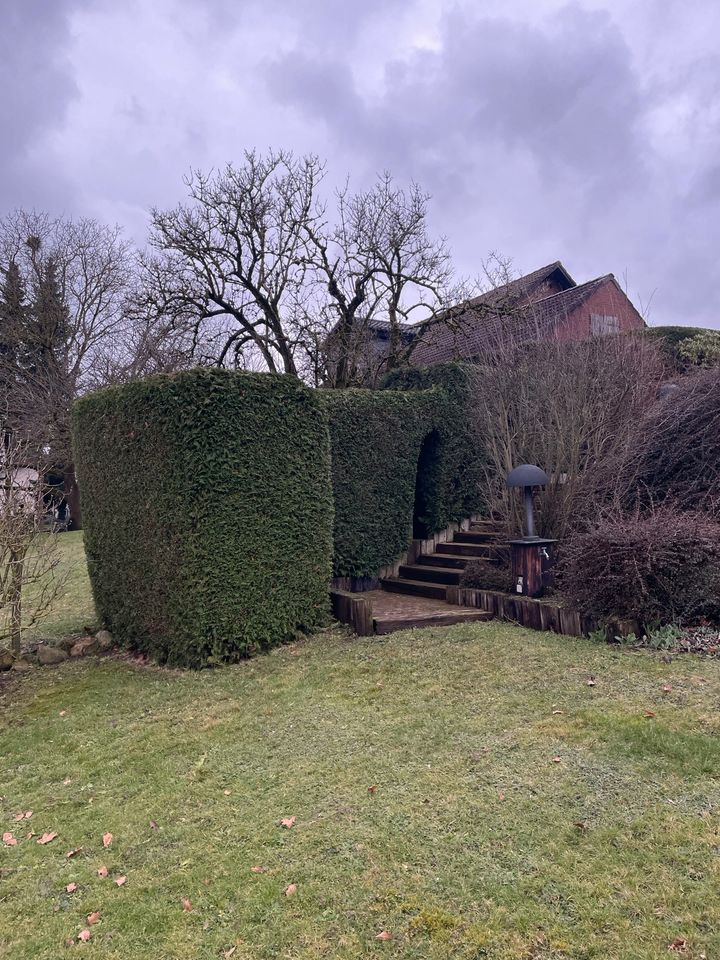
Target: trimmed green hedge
{"x": 455, "y": 486}
{"x": 208, "y": 512}
{"x": 375, "y": 438}
{"x": 384, "y": 442}
{"x": 671, "y": 340}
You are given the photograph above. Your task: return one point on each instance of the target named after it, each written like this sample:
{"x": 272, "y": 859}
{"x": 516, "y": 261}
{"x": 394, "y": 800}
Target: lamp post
{"x": 531, "y": 556}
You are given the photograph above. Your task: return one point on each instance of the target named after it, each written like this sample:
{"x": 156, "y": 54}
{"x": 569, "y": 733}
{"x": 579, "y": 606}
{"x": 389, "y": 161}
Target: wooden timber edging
{"x": 535, "y": 614}
{"x": 353, "y": 609}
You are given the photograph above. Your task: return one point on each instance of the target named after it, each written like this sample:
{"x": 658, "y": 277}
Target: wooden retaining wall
{"x": 535, "y": 614}
{"x": 353, "y": 609}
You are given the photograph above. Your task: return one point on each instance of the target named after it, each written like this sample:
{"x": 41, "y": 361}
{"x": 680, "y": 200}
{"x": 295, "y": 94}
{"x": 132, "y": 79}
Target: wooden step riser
{"x": 439, "y": 560}
{"x": 474, "y": 536}
{"x": 429, "y": 573}
{"x": 432, "y": 590}
{"x": 466, "y": 550}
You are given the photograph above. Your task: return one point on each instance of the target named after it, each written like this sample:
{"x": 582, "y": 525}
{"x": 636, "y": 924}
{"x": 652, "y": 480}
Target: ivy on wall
{"x": 208, "y": 511}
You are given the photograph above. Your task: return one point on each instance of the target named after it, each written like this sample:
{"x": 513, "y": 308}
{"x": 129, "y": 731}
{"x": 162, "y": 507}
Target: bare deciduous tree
{"x": 68, "y": 327}
{"x": 382, "y": 269}
{"x": 250, "y": 273}
{"x": 30, "y": 575}
{"x": 229, "y": 265}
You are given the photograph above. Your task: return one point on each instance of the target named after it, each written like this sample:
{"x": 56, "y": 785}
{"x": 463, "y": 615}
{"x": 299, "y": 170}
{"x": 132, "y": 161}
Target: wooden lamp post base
{"x": 532, "y": 565}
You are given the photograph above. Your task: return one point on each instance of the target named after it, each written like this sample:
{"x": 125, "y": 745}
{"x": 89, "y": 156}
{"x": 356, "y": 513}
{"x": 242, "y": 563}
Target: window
{"x": 601, "y": 324}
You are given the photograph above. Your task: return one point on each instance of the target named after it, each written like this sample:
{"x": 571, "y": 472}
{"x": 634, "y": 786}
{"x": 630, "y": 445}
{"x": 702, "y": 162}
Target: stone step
{"x": 430, "y": 573}
{"x": 418, "y": 588}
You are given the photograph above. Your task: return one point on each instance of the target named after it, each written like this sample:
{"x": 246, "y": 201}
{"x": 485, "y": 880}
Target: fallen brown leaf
{"x": 289, "y": 891}
{"x": 258, "y": 870}
{"x": 667, "y": 688}
{"x": 557, "y": 759}
{"x": 501, "y": 796}
{"x": 288, "y": 822}
{"x": 107, "y": 839}
{"x": 373, "y": 789}
{"x": 102, "y": 872}
{"x": 63, "y": 712}
{"x": 84, "y": 935}
{"x": 73, "y": 853}
{"x": 93, "y": 918}
{"x": 679, "y": 944}
{"x": 46, "y": 838}
{"x": 186, "y": 905}
{"x": 71, "y": 888}
{"x": 384, "y": 936}
{"x": 9, "y": 840}
{"x": 649, "y": 713}
{"x": 121, "y": 881}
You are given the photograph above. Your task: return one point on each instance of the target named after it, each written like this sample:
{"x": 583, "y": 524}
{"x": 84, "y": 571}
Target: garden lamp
{"x": 528, "y": 476}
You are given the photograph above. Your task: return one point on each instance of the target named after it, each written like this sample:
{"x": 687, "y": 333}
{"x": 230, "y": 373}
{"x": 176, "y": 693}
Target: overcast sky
{"x": 587, "y": 132}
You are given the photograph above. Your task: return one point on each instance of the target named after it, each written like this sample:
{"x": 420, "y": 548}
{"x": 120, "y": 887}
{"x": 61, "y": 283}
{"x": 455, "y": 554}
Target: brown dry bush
{"x": 674, "y": 451}
{"x": 656, "y": 567}
{"x": 568, "y": 406}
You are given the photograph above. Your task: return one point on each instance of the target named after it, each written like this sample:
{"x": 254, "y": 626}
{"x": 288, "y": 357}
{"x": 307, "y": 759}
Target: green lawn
{"x": 463, "y": 789}
{"x": 74, "y": 609}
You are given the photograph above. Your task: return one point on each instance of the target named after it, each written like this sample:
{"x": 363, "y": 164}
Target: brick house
{"x": 544, "y": 304}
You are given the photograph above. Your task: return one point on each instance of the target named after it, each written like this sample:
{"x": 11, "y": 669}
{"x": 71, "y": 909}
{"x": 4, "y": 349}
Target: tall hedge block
{"x": 456, "y": 475}
{"x": 376, "y": 438}
{"x": 208, "y": 512}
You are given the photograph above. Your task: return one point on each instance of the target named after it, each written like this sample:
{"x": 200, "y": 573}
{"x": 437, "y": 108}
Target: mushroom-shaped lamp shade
{"x": 527, "y": 475}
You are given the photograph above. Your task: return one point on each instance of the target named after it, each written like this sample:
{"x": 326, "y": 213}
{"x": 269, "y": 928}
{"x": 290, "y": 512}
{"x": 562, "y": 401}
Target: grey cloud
{"x": 534, "y": 136}
{"x": 38, "y": 85}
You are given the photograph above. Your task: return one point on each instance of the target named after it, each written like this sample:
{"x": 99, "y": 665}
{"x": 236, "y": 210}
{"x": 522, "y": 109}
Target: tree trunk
{"x": 16, "y": 563}
{"x": 72, "y": 498}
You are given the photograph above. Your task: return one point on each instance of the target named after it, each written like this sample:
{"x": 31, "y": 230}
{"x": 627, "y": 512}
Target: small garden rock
{"x": 104, "y": 639}
{"x": 85, "y": 648}
{"x": 67, "y": 643}
{"x": 21, "y": 666}
{"x": 50, "y": 656}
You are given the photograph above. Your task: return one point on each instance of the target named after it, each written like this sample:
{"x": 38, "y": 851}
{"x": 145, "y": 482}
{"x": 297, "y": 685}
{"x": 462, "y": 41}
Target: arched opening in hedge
{"x": 427, "y": 485}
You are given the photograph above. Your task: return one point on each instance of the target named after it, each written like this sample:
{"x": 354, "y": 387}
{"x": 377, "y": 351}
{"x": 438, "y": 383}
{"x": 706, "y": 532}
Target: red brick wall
{"x": 609, "y": 300}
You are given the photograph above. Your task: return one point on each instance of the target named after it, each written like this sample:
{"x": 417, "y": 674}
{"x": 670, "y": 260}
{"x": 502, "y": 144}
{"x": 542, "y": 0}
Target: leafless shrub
{"x": 674, "y": 451}
{"x": 568, "y": 406}
{"x": 30, "y": 576}
{"x": 656, "y": 567}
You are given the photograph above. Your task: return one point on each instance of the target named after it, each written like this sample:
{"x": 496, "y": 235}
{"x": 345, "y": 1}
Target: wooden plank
{"x": 353, "y": 609}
